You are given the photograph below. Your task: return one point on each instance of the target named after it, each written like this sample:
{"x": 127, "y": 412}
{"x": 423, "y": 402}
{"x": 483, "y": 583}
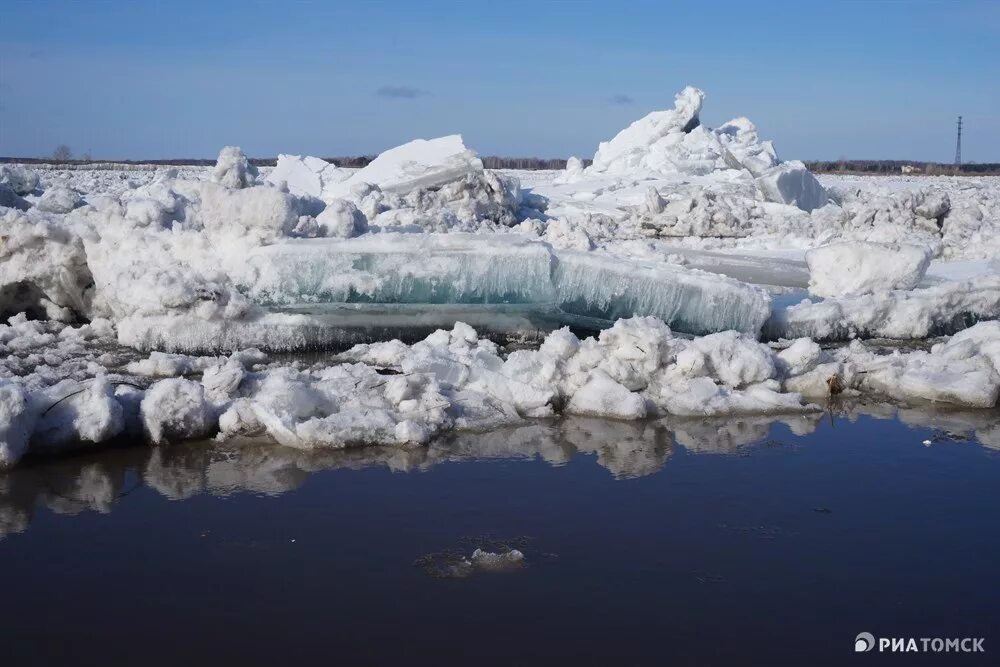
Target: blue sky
{"x": 824, "y": 80}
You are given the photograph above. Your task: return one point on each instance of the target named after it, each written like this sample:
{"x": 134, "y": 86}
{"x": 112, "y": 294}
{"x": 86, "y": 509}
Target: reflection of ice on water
{"x": 626, "y": 449}
{"x": 97, "y": 481}
{"x": 727, "y": 435}
{"x": 539, "y": 440}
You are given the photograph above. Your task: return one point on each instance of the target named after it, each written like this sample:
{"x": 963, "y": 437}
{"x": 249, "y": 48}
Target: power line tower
{"x": 958, "y": 145}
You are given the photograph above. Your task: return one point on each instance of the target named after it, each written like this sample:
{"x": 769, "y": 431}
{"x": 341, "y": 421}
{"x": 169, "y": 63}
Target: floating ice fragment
{"x": 491, "y": 560}
{"x": 176, "y": 408}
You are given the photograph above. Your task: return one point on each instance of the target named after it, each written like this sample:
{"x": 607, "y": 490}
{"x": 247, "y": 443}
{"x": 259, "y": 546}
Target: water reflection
{"x": 97, "y": 481}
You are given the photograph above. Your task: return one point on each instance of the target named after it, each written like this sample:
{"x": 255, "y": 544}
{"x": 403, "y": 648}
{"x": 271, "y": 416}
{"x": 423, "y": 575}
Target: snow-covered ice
{"x": 305, "y": 176}
{"x": 856, "y": 268}
{"x": 417, "y": 164}
{"x": 391, "y": 393}
{"x": 233, "y": 170}
{"x": 943, "y": 308}
{"x": 708, "y": 269}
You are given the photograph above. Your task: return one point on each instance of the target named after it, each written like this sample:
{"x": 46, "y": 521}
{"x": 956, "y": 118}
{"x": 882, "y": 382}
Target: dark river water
{"x": 737, "y": 541}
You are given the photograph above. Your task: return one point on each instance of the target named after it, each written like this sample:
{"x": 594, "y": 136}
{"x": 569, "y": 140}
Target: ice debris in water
{"x": 488, "y": 556}
{"x": 491, "y": 560}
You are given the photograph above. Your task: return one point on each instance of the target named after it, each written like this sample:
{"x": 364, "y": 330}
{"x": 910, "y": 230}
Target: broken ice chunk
{"x": 16, "y": 423}
{"x": 629, "y": 148}
{"x": 233, "y": 170}
{"x": 402, "y": 268}
{"x": 418, "y": 164}
{"x": 688, "y": 300}
{"x": 305, "y": 176}
{"x": 791, "y": 183}
{"x": 856, "y": 268}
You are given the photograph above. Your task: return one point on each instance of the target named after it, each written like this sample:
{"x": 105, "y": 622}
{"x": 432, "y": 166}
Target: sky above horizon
{"x": 826, "y": 80}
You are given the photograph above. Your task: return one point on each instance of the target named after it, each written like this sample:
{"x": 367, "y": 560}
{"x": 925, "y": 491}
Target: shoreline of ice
{"x": 60, "y": 395}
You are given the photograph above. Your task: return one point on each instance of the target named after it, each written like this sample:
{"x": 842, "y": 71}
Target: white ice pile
{"x": 436, "y": 185}
{"x": 956, "y": 217}
{"x": 43, "y": 267}
{"x": 233, "y": 170}
{"x": 208, "y": 251}
{"x": 390, "y": 393}
{"x": 674, "y": 142}
{"x": 669, "y": 178}
{"x": 901, "y": 314}
{"x": 672, "y": 145}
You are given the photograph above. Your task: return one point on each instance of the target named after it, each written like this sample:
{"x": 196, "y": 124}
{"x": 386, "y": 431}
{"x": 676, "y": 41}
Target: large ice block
{"x": 498, "y": 269}
{"x": 305, "y": 176}
{"x": 791, "y": 183}
{"x": 402, "y": 268}
{"x": 696, "y": 302}
{"x": 418, "y": 164}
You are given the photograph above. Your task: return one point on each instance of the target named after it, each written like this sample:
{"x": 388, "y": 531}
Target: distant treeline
{"x": 355, "y": 161}
{"x": 489, "y": 162}
{"x": 902, "y": 167}
{"x": 496, "y": 162}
